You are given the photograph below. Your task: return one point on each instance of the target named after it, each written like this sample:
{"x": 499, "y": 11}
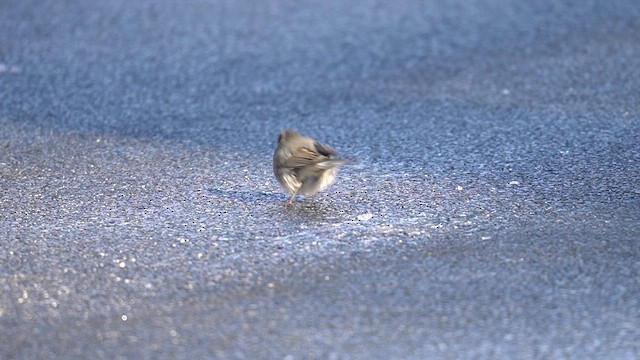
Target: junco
{"x": 304, "y": 166}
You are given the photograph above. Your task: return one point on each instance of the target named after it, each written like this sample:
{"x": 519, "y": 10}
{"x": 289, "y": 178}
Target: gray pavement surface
{"x": 494, "y": 211}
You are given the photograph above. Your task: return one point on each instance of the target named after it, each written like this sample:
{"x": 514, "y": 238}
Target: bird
{"x": 303, "y": 166}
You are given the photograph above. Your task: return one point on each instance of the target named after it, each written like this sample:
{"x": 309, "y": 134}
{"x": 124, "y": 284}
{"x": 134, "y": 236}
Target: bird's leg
{"x": 290, "y": 203}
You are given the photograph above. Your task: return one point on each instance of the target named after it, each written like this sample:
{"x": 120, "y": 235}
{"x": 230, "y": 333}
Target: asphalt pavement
{"x": 493, "y": 212}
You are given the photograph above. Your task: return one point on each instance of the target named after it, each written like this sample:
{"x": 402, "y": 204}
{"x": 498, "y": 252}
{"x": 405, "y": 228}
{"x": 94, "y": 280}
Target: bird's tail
{"x": 332, "y": 163}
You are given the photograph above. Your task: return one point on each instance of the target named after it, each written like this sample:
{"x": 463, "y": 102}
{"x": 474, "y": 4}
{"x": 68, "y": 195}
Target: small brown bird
{"x": 304, "y": 166}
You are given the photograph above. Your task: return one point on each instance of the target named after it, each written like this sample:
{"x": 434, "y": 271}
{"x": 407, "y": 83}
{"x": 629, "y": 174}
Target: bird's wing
{"x": 304, "y": 157}
{"x": 324, "y": 149}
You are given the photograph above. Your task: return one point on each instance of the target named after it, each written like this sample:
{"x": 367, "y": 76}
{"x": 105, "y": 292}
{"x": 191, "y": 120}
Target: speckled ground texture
{"x": 494, "y": 211}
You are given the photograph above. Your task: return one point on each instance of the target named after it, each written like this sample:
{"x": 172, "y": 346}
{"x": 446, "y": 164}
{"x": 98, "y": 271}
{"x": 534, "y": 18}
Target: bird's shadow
{"x": 243, "y": 196}
{"x": 275, "y": 204}
{"x": 310, "y": 211}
